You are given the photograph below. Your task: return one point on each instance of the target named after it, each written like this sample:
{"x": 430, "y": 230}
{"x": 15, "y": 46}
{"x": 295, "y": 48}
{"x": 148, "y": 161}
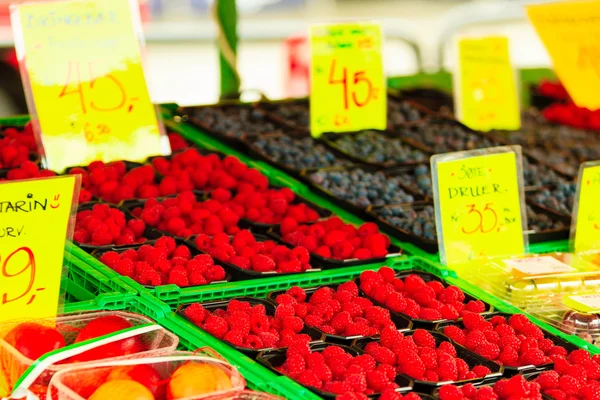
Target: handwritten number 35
{"x": 29, "y": 266}
{"x": 485, "y": 215}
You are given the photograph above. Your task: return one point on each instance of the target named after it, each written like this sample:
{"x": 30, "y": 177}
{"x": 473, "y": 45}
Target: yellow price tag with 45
{"x": 348, "y": 91}
{"x": 479, "y": 204}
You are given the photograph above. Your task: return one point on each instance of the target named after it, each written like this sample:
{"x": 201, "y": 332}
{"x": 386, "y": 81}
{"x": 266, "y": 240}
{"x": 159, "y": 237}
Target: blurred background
{"x": 182, "y": 59}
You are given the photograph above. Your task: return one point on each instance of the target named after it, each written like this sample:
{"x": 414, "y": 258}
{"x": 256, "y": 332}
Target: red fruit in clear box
{"x": 191, "y": 380}
{"x": 122, "y": 390}
{"x": 104, "y": 326}
{"x": 34, "y": 340}
{"x": 142, "y": 373}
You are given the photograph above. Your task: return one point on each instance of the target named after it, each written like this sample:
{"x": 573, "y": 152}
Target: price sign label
{"x": 486, "y": 91}
{"x": 82, "y": 65}
{"x": 585, "y": 226}
{"x": 348, "y": 90}
{"x": 35, "y": 222}
{"x": 479, "y": 204}
{"x": 569, "y": 31}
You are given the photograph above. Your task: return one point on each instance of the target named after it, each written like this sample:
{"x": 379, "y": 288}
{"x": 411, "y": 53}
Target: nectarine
{"x": 196, "y": 379}
{"x": 122, "y": 390}
{"x": 143, "y": 373}
{"x": 34, "y": 340}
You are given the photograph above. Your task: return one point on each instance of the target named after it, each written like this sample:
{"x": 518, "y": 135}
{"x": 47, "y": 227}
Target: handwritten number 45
{"x": 488, "y": 214}
{"x": 359, "y": 78}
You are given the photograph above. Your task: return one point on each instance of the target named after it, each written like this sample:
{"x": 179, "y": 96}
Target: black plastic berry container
{"x": 193, "y": 250}
{"x": 302, "y": 106}
{"x": 316, "y": 336}
{"x": 240, "y": 274}
{"x": 509, "y": 371}
{"x": 402, "y": 323}
{"x": 326, "y": 263}
{"x": 274, "y": 359}
{"x": 531, "y": 200}
{"x": 298, "y": 173}
{"x": 429, "y": 245}
{"x": 470, "y": 358}
{"x": 149, "y": 233}
{"x": 348, "y": 205}
{"x": 427, "y": 277}
{"x": 331, "y": 140}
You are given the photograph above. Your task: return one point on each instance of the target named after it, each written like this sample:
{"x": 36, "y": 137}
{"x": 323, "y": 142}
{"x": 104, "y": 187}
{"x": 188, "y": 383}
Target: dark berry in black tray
{"x": 418, "y": 222}
{"x": 298, "y": 153}
{"x": 419, "y": 180}
{"x": 236, "y": 121}
{"x": 296, "y": 113}
{"x": 562, "y": 161}
{"x": 537, "y": 175}
{"x": 362, "y": 188}
{"x": 375, "y": 147}
{"x": 540, "y": 222}
{"x": 560, "y": 199}
{"x": 443, "y": 137}
{"x": 400, "y": 112}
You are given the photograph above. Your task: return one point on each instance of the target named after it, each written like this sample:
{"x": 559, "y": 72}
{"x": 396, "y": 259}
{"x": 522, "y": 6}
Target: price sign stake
{"x": 348, "y": 90}
{"x": 479, "y": 204}
{"x": 569, "y": 31}
{"x": 585, "y": 225}
{"x": 82, "y": 67}
{"x": 35, "y": 223}
{"x": 486, "y": 92}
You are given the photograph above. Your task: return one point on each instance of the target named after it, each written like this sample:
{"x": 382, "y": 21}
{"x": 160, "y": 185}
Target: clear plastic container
{"x": 14, "y": 364}
{"x": 244, "y": 395}
{"x": 77, "y": 383}
{"x": 574, "y": 314}
{"x": 528, "y": 281}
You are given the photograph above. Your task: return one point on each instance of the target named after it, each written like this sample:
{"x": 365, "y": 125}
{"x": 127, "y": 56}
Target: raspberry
{"x": 357, "y": 329}
{"x": 387, "y": 273}
{"x": 578, "y": 356}
{"x": 476, "y": 306}
{"x": 384, "y": 355}
{"x": 216, "y": 326}
{"x": 447, "y": 347}
{"x": 390, "y": 337}
{"x": 377, "y": 380}
{"x": 429, "y": 357}
{"x": 472, "y": 321}
{"x": 234, "y": 337}
{"x": 592, "y": 370}
{"x": 414, "y": 368}
{"x": 178, "y": 276}
{"x": 309, "y": 378}
{"x": 488, "y": 350}
{"x": 298, "y": 293}
{"x": 548, "y": 380}
{"x": 456, "y": 334}
{"x": 348, "y": 287}
{"x": 323, "y": 372}
{"x": 450, "y": 392}
{"x": 365, "y": 361}
{"x": 475, "y": 339}
{"x": 358, "y": 382}
{"x": 448, "y": 370}
{"x": 262, "y": 263}
{"x": 293, "y": 324}
{"x": 423, "y": 338}
{"x": 341, "y": 321}
{"x": 321, "y": 295}
{"x": 517, "y": 321}
{"x": 294, "y": 365}
{"x": 430, "y": 314}
{"x": 533, "y": 357}
{"x": 195, "y": 312}
{"x": 481, "y": 371}
{"x": 568, "y": 384}
{"x": 509, "y": 356}
{"x": 337, "y": 387}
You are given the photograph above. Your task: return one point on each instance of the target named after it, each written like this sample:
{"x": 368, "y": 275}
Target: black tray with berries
{"x": 427, "y": 277}
{"x": 148, "y": 233}
{"x": 512, "y": 370}
{"x": 402, "y": 323}
{"x": 538, "y": 215}
{"x": 192, "y": 250}
{"x": 471, "y": 359}
{"x": 323, "y": 262}
{"x": 293, "y": 113}
{"x": 276, "y": 358}
{"x": 241, "y": 274}
{"x": 253, "y": 352}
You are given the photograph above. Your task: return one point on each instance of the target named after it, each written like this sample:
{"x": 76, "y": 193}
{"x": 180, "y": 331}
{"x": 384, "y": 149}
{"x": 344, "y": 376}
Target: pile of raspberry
{"x": 416, "y": 298}
{"x": 177, "y": 142}
{"x": 21, "y": 137}
{"x": 184, "y": 216}
{"x": 28, "y": 170}
{"x": 514, "y": 388}
{"x": 15, "y": 148}
{"x": 418, "y": 356}
{"x": 245, "y": 252}
{"x": 164, "y": 262}
{"x": 338, "y": 311}
{"x": 333, "y": 370}
{"x": 104, "y": 225}
{"x": 245, "y": 325}
{"x": 270, "y": 206}
{"x": 576, "y": 377}
{"x": 113, "y": 183}
{"x": 195, "y": 171}
{"x": 514, "y": 343}
{"x": 332, "y": 238}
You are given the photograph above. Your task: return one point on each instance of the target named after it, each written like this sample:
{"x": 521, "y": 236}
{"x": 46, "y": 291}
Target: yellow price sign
{"x": 479, "y": 204}
{"x": 486, "y": 91}
{"x": 82, "y": 63}
{"x": 585, "y": 226}
{"x": 569, "y": 31}
{"x": 348, "y": 90}
{"x": 36, "y": 215}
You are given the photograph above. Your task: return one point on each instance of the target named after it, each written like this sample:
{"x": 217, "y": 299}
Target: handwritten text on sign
{"x": 348, "y": 90}
{"x": 486, "y": 91}
{"x": 478, "y": 201}
{"x": 35, "y": 219}
{"x": 569, "y": 31}
{"x": 84, "y": 68}
{"x": 585, "y": 229}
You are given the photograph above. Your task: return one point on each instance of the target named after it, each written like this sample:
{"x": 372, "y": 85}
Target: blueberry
{"x": 418, "y": 180}
{"x": 400, "y": 112}
{"x": 445, "y": 136}
{"x": 420, "y": 222}
{"x": 560, "y": 199}
{"x": 539, "y": 222}
{"x": 235, "y": 121}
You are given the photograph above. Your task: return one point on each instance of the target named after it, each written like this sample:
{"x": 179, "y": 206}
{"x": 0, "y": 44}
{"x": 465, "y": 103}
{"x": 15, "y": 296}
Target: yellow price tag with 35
{"x": 85, "y": 82}
{"x": 348, "y": 90}
{"x": 585, "y": 226}
{"x": 479, "y": 204}
{"x": 35, "y": 223}
{"x": 485, "y": 88}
